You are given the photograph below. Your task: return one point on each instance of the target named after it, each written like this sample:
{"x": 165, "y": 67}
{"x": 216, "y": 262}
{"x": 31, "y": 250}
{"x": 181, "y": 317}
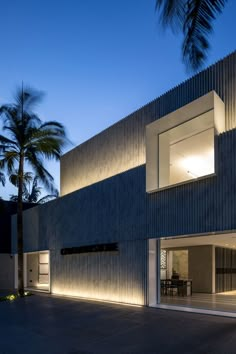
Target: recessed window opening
{"x": 187, "y": 151}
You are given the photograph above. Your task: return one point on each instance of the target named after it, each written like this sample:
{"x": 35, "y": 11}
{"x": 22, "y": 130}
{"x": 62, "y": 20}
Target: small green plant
{"x": 12, "y": 297}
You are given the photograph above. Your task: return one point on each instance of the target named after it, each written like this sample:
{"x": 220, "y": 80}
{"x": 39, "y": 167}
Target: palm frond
{"x": 44, "y": 176}
{"x": 197, "y": 27}
{"x": 13, "y": 198}
{"x": 35, "y": 191}
{"x": 7, "y": 141}
{"x": 30, "y": 194}
{"x": 2, "y": 179}
{"x": 171, "y": 13}
{"x": 48, "y": 197}
{"x": 8, "y": 161}
{"x": 27, "y": 178}
{"x": 13, "y": 178}
{"x": 28, "y": 98}
{"x": 194, "y": 18}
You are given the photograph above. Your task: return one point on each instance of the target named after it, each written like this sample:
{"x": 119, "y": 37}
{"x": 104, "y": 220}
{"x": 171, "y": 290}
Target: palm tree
{"x": 194, "y": 18}
{"x": 28, "y": 142}
{"x": 31, "y": 189}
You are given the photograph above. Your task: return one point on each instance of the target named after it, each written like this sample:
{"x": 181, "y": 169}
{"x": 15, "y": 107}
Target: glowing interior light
{"x": 197, "y": 166}
{"x": 42, "y": 285}
{"x": 94, "y": 295}
{"x": 96, "y": 300}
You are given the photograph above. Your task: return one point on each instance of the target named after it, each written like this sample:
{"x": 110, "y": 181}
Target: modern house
{"x": 147, "y": 213}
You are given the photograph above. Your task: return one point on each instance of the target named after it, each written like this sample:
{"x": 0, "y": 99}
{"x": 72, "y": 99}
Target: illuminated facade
{"x": 166, "y": 170}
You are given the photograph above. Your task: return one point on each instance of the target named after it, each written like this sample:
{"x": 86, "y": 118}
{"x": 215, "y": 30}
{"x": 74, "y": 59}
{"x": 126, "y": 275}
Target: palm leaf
{"x": 48, "y": 197}
{"x": 194, "y": 18}
{"x": 6, "y": 141}
{"x": 9, "y": 161}
{"x": 28, "y": 98}
{"x": 44, "y": 176}
{"x": 27, "y": 178}
{"x": 171, "y": 13}
{"x": 197, "y": 27}
{"x": 2, "y": 179}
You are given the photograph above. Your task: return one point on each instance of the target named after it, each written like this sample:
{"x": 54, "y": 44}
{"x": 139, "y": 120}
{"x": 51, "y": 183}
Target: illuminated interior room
{"x": 199, "y": 272}
{"x": 187, "y": 151}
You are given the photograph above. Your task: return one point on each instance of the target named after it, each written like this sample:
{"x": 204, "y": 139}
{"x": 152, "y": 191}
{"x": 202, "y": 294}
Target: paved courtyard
{"x": 45, "y": 324}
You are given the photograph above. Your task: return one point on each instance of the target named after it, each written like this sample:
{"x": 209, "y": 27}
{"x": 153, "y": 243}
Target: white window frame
{"x": 209, "y": 102}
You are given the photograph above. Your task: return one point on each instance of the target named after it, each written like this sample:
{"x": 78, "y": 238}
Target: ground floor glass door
{"x": 193, "y": 272}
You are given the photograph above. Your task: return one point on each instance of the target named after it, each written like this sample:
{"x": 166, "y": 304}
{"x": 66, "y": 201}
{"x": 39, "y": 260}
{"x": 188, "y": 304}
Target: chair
{"x": 163, "y": 287}
{"x": 172, "y": 287}
{"x": 181, "y": 288}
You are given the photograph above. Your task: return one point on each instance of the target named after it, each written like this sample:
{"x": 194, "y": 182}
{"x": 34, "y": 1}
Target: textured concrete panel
{"x": 114, "y": 276}
{"x": 6, "y": 271}
{"x": 200, "y": 206}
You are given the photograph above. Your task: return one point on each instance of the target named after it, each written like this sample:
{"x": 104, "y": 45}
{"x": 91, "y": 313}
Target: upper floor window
{"x": 187, "y": 151}
{"x": 180, "y": 146}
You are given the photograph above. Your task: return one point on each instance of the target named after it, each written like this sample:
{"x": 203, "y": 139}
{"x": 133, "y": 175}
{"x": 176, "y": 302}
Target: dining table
{"x": 180, "y": 287}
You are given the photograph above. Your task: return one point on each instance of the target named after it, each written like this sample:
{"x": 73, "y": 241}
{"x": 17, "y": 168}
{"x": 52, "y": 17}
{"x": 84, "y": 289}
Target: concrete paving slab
{"x": 52, "y": 325}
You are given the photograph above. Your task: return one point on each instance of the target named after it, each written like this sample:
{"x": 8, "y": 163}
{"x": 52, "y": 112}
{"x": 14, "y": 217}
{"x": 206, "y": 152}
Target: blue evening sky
{"x": 97, "y": 61}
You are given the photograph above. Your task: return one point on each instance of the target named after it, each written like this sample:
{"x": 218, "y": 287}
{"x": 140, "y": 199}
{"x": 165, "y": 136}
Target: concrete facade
{"x": 7, "y": 268}
{"x": 104, "y": 199}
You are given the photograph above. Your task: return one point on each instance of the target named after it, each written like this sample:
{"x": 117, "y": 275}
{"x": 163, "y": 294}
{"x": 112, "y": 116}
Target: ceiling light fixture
{"x": 192, "y": 174}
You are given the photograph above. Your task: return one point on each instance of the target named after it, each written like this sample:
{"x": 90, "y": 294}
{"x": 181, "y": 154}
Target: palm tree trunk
{"x": 20, "y": 227}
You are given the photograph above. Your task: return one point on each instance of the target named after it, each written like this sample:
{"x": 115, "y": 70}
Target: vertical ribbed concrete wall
{"x": 112, "y": 210}
{"x": 122, "y": 146}
{"x": 201, "y": 206}
{"x": 118, "y": 208}
{"x": 114, "y": 276}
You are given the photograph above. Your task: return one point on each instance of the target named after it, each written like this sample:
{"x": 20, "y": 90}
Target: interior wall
{"x": 44, "y": 268}
{"x": 202, "y": 268}
{"x": 169, "y": 264}
{"x": 32, "y": 269}
{"x": 180, "y": 263}
{"x": 196, "y": 263}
